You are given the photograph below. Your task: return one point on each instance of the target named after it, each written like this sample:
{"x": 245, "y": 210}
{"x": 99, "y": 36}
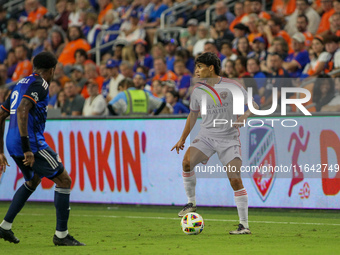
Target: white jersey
{"x": 210, "y": 127}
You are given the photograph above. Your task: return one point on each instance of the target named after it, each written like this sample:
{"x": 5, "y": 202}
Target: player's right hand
{"x": 29, "y": 158}
{"x": 3, "y": 163}
{"x": 179, "y": 145}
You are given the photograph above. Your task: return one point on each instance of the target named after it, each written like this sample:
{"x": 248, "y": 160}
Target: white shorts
{"x": 226, "y": 149}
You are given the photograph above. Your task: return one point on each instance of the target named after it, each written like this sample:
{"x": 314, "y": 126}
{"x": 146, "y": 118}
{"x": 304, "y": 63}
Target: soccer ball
{"x": 192, "y": 223}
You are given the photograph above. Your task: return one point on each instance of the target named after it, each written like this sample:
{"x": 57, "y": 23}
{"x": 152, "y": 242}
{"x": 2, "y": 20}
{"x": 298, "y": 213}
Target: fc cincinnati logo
{"x": 224, "y": 94}
{"x": 262, "y": 152}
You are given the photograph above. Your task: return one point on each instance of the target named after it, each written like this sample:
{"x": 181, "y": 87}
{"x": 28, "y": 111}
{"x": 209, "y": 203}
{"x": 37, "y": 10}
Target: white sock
{"x": 189, "y": 180}
{"x": 6, "y": 225}
{"x": 241, "y": 201}
{"x": 61, "y": 234}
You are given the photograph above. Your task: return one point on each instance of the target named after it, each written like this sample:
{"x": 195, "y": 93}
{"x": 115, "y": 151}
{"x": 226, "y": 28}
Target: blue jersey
{"x": 35, "y": 89}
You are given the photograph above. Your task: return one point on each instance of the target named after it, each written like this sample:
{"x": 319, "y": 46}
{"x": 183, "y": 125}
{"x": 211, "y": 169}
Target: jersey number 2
{"x": 14, "y": 97}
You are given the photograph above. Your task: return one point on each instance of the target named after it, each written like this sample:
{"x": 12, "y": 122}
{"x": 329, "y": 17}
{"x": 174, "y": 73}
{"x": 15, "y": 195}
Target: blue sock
{"x": 18, "y": 202}
{"x": 62, "y": 206}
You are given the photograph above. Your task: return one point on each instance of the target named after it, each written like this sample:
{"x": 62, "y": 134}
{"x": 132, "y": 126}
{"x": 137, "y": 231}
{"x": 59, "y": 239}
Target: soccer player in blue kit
{"x": 27, "y": 108}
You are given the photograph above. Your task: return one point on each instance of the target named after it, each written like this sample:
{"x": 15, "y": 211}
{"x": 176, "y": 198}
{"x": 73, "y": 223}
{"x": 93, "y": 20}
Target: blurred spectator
{"x": 37, "y": 43}
{"x": 240, "y": 30}
{"x": 11, "y": 62}
{"x": 321, "y": 58}
{"x": 172, "y": 98}
{"x": 74, "y": 17}
{"x": 53, "y": 89}
{"x": 91, "y": 73}
{"x": 155, "y": 14}
{"x": 143, "y": 58}
{"x": 253, "y": 67}
{"x": 332, "y": 47}
{"x": 334, "y": 25}
{"x": 118, "y": 51}
{"x": 211, "y": 47}
{"x": 227, "y": 51}
{"x": 323, "y": 91}
{"x": 256, "y": 7}
{"x": 35, "y": 10}
{"x": 128, "y": 54}
{"x": 60, "y": 75}
{"x": 27, "y": 31}
{"x": 252, "y": 25}
{"x": 259, "y": 49}
{"x": 115, "y": 77}
{"x": 105, "y": 6}
{"x": 203, "y": 36}
{"x": 283, "y": 7}
{"x": 301, "y": 24}
{"x": 56, "y": 44}
{"x": 48, "y": 21}
{"x": 277, "y": 78}
{"x": 243, "y": 47}
{"x": 170, "y": 48}
{"x": 184, "y": 55}
{"x": 104, "y": 72}
{"x": 220, "y": 31}
{"x": 241, "y": 66}
{"x": 192, "y": 25}
{"x": 222, "y": 9}
{"x": 62, "y": 18}
{"x": 61, "y": 98}
{"x": 76, "y": 41}
{"x": 12, "y": 39}
{"x": 229, "y": 69}
{"x": 130, "y": 30}
{"x": 24, "y": 67}
{"x": 95, "y": 104}
{"x": 239, "y": 12}
{"x": 77, "y": 76}
{"x": 334, "y": 104}
{"x": 112, "y": 23}
{"x": 183, "y": 82}
{"x": 328, "y": 11}
{"x": 303, "y": 7}
{"x": 4, "y": 79}
{"x": 126, "y": 69}
{"x": 135, "y": 102}
{"x": 74, "y": 102}
{"x": 296, "y": 62}
{"x": 91, "y": 28}
{"x": 161, "y": 71}
{"x": 157, "y": 88}
{"x": 81, "y": 58}
{"x": 273, "y": 30}
{"x": 158, "y": 51}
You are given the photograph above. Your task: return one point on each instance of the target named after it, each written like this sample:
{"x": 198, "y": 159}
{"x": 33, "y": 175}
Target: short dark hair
{"x": 45, "y": 60}
{"x": 304, "y": 16}
{"x": 277, "y": 21}
{"x": 255, "y": 59}
{"x": 174, "y": 94}
{"x": 82, "y": 52}
{"x": 331, "y": 38}
{"x": 210, "y": 59}
{"x": 211, "y": 43}
{"x": 259, "y": 1}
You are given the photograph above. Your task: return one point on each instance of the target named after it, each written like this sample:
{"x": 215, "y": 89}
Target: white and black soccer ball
{"x": 192, "y": 223}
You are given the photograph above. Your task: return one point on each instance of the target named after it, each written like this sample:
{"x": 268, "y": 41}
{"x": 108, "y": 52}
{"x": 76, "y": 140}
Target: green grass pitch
{"x": 122, "y": 229}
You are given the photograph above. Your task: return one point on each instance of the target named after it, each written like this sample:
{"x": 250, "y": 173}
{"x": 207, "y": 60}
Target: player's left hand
{"x": 240, "y": 121}
{"x": 29, "y": 158}
{"x": 3, "y": 163}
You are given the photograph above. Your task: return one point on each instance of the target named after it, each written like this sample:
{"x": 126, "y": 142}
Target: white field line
{"x": 205, "y": 219}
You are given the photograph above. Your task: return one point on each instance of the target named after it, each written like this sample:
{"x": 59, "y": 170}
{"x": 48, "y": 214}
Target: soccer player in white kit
{"x": 223, "y": 139}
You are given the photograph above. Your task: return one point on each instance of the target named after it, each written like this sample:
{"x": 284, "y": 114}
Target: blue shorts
{"x": 46, "y": 164}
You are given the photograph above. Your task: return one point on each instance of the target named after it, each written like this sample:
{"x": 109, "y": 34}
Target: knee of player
{"x": 67, "y": 181}
{"x": 34, "y": 183}
{"x": 186, "y": 164}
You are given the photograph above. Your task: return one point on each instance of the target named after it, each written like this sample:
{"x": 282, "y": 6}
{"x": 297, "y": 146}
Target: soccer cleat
{"x": 240, "y": 231}
{"x": 66, "y": 241}
{"x": 8, "y": 235}
{"x": 186, "y": 209}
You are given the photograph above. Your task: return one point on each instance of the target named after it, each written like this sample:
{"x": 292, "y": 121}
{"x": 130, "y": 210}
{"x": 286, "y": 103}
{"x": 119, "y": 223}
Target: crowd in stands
{"x": 296, "y": 39}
